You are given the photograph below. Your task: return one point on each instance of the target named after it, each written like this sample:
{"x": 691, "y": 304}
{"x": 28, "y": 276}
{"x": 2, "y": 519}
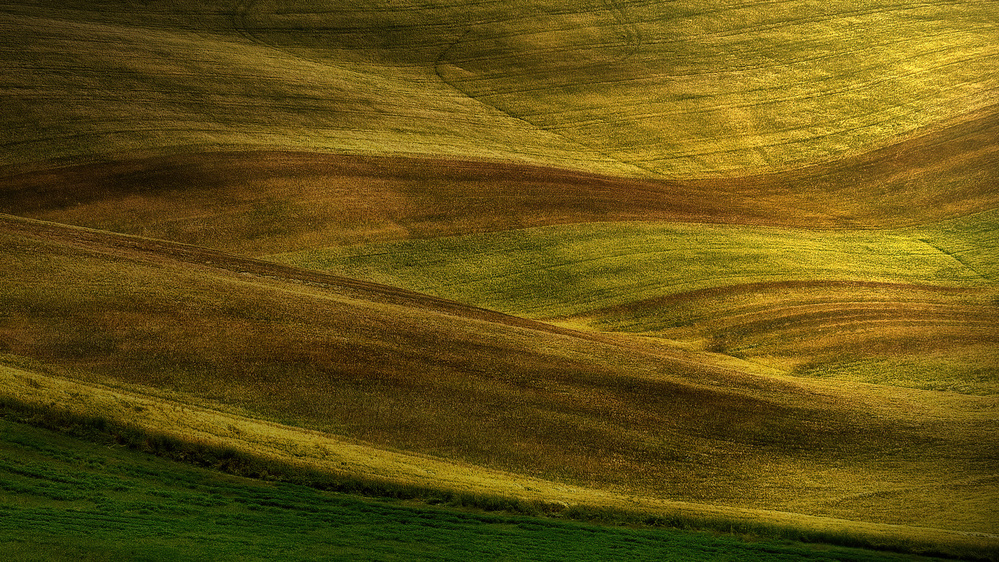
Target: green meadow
{"x": 553, "y": 272}
{"x": 913, "y": 307}
{"x": 214, "y": 348}
{"x": 67, "y": 499}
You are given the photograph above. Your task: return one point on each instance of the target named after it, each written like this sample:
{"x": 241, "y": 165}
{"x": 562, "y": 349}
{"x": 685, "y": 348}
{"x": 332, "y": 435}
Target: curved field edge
{"x": 132, "y": 505}
{"x": 411, "y": 372}
{"x": 716, "y": 87}
{"x": 641, "y": 88}
{"x": 571, "y": 270}
{"x": 185, "y": 75}
{"x": 909, "y": 307}
{"x": 916, "y": 336}
{"x": 264, "y": 202}
{"x": 176, "y": 428}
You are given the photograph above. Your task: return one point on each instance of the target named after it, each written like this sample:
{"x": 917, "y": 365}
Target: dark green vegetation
{"x": 65, "y": 499}
{"x": 727, "y": 261}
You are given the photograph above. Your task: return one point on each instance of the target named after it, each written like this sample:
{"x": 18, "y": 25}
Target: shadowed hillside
{"x": 269, "y": 202}
{"x": 698, "y": 262}
{"x": 405, "y": 371}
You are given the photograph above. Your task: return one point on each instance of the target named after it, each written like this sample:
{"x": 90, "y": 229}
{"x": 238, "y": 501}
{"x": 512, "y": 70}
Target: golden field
{"x": 723, "y": 260}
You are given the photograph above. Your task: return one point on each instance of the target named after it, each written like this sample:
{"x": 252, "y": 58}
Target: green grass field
{"x": 410, "y": 372}
{"x": 915, "y": 307}
{"x": 571, "y": 270}
{"x": 686, "y": 263}
{"x": 66, "y": 499}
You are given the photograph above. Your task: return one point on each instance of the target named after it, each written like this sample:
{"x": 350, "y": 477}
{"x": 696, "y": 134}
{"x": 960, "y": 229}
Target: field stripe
{"x": 298, "y": 446}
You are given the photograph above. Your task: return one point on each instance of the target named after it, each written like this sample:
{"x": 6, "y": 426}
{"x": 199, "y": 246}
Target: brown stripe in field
{"x": 272, "y": 201}
{"x": 162, "y": 251}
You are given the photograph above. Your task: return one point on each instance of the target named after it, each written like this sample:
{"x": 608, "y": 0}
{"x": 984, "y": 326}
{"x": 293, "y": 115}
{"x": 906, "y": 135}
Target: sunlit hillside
{"x": 714, "y": 265}
{"x": 676, "y": 89}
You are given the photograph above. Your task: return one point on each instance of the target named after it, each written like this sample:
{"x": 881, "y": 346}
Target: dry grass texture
{"x": 723, "y": 259}
{"x": 409, "y": 372}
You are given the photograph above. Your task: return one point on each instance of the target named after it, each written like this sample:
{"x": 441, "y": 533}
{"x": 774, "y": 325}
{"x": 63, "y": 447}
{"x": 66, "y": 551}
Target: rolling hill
{"x": 593, "y": 414}
{"x": 724, "y": 262}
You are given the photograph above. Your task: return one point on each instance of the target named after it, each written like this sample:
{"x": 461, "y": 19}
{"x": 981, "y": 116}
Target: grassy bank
{"x": 137, "y": 506}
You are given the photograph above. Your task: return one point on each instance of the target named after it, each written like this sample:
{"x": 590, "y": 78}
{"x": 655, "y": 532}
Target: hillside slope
{"x": 270, "y": 202}
{"x": 722, "y": 259}
{"x": 674, "y": 89}
{"x": 405, "y": 371}
{"x": 133, "y": 505}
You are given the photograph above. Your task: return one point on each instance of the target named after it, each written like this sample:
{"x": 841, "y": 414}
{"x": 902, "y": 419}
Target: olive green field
{"x": 673, "y": 280}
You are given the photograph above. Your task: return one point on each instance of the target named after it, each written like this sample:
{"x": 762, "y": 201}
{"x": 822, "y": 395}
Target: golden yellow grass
{"x": 680, "y": 89}
{"x": 930, "y": 337}
{"x": 406, "y": 372}
{"x": 688, "y": 89}
{"x": 265, "y": 202}
{"x": 196, "y": 421}
{"x": 91, "y": 82}
{"x": 213, "y": 125}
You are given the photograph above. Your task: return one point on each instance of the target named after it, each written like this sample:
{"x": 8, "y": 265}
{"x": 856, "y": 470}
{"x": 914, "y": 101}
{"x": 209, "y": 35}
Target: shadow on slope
{"x": 420, "y": 374}
{"x": 920, "y": 336}
{"x": 269, "y": 202}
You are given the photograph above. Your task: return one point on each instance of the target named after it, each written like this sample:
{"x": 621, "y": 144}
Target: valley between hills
{"x": 721, "y": 271}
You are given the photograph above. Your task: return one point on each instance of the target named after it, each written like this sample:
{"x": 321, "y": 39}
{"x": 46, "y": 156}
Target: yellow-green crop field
{"x": 723, "y": 266}
{"x": 652, "y": 88}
